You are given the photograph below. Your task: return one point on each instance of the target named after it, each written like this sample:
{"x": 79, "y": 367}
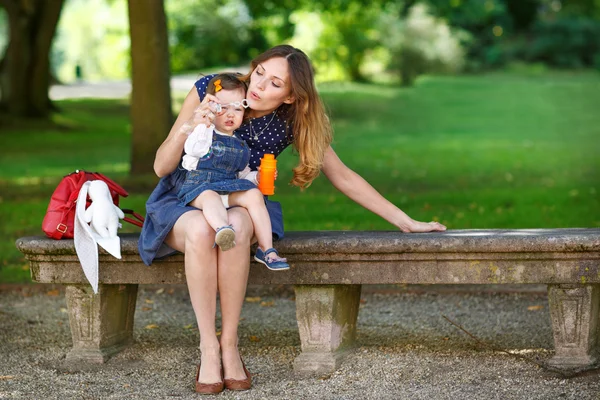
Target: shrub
{"x": 421, "y": 43}
{"x": 570, "y": 42}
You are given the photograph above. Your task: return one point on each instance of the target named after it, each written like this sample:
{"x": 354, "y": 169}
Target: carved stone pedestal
{"x": 101, "y": 324}
{"x": 326, "y": 317}
{"x": 574, "y": 311}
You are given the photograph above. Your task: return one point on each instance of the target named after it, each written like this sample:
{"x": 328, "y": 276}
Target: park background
{"x": 478, "y": 114}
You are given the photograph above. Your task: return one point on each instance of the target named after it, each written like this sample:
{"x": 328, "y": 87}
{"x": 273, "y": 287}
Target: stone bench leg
{"x": 101, "y": 324}
{"x": 327, "y": 325}
{"x": 574, "y": 311}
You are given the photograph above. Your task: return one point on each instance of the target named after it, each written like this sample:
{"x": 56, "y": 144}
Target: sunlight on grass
{"x": 28, "y": 180}
{"x": 378, "y": 90}
{"x": 119, "y": 168}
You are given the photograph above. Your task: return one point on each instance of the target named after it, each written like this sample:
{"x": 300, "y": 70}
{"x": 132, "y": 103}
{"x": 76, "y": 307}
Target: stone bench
{"x": 328, "y": 269}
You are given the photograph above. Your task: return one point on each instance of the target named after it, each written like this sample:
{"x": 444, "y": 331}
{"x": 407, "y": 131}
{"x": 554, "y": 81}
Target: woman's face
{"x": 269, "y": 86}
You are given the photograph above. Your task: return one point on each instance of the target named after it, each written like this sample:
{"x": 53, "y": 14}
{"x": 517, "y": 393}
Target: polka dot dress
{"x": 266, "y": 134}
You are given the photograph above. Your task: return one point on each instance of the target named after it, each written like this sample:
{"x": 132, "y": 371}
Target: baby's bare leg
{"x": 212, "y": 207}
{"x": 253, "y": 201}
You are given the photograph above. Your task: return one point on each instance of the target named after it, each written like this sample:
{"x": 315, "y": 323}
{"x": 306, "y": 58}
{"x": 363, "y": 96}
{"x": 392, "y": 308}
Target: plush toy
{"x": 102, "y": 214}
{"x": 104, "y": 218}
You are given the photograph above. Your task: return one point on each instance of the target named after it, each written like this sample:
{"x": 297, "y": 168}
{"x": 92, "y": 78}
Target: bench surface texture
{"x": 328, "y": 269}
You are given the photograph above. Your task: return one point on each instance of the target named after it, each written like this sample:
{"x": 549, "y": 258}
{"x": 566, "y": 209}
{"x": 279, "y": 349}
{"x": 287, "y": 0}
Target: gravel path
{"x": 406, "y": 349}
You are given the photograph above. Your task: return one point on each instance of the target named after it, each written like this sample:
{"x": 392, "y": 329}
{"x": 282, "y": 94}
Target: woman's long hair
{"x": 311, "y": 128}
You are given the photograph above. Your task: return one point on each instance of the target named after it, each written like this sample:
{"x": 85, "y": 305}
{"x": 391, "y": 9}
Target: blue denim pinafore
{"x": 218, "y": 170}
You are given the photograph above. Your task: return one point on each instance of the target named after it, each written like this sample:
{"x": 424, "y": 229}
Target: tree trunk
{"x": 24, "y": 80}
{"x": 354, "y": 62}
{"x": 40, "y": 68}
{"x": 151, "y": 114}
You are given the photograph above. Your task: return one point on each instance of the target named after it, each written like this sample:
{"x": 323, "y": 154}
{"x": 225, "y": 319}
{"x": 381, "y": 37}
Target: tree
{"x": 420, "y": 43}
{"x": 25, "y": 66}
{"x": 151, "y": 113}
{"x": 205, "y": 33}
{"x": 352, "y": 21}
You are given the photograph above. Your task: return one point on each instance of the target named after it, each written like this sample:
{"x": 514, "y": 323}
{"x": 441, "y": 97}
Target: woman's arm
{"x": 192, "y": 113}
{"x": 359, "y": 190}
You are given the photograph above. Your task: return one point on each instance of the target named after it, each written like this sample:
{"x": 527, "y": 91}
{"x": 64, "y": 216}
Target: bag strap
{"x": 60, "y": 231}
{"x": 111, "y": 184}
{"x": 138, "y": 221}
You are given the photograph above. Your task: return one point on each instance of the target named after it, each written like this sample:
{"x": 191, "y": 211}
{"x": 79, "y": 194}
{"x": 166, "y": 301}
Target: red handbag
{"x": 60, "y": 216}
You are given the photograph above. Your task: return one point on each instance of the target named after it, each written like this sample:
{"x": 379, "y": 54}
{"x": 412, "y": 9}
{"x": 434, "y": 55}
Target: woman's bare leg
{"x": 194, "y": 237}
{"x": 233, "y": 268}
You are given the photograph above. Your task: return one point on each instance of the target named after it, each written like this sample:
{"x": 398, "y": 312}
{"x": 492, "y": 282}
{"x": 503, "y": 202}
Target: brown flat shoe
{"x": 209, "y": 388}
{"x": 243, "y": 384}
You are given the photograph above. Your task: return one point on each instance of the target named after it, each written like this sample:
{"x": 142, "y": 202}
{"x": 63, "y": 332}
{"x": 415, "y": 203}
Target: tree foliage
{"x": 93, "y": 39}
{"x": 348, "y": 32}
{"x": 207, "y": 33}
{"x": 420, "y": 43}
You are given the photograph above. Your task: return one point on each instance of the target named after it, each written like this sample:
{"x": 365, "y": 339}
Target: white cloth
{"x": 197, "y": 145}
{"x": 225, "y": 200}
{"x": 86, "y": 237}
{"x": 248, "y": 174}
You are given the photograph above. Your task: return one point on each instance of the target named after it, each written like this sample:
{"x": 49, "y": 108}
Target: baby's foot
{"x": 270, "y": 258}
{"x": 225, "y": 237}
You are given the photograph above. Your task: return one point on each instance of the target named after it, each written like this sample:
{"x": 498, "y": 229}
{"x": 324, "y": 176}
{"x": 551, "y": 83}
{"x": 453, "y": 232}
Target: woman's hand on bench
{"x": 418, "y": 226}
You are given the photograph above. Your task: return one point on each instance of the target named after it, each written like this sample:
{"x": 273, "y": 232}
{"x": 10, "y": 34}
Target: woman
{"x": 285, "y": 109}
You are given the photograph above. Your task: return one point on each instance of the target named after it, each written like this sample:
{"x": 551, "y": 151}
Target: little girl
{"x": 218, "y": 175}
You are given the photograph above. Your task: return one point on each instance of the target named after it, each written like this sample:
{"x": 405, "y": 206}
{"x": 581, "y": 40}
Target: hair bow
{"x": 218, "y": 85}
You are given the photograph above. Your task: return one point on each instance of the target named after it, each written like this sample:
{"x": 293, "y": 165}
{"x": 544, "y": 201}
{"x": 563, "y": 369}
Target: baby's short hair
{"x": 229, "y": 81}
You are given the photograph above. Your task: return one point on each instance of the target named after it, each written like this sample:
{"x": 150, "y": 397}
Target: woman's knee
{"x": 242, "y": 223}
{"x": 199, "y": 233}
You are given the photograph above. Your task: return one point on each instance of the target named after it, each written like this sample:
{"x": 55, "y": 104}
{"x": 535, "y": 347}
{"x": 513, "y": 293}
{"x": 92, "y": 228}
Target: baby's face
{"x": 230, "y": 118}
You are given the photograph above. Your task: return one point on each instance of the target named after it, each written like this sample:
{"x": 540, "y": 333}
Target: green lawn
{"x": 501, "y": 150}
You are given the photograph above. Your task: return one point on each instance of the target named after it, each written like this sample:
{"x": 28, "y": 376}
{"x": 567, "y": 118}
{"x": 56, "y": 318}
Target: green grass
{"x": 504, "y": 150}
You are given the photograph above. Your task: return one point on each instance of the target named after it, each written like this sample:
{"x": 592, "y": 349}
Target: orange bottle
{"x": 266, "y": 179}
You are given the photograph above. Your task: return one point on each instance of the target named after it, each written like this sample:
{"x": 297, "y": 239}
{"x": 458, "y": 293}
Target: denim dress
{"x": 218, "y": 170}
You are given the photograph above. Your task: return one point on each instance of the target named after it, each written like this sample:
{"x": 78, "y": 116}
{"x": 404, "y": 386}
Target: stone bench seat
{"x": 327, "y": 271}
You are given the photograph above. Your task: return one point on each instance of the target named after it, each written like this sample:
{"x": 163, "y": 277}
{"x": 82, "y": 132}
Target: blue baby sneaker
{"x": 273, "y": 265}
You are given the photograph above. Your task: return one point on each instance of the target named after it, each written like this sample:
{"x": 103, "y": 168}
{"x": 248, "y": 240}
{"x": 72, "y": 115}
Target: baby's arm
{"x": 248, "y": 174}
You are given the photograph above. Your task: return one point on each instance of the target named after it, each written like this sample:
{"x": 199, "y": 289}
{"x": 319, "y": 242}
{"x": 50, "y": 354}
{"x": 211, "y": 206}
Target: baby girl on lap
{"x": 218, "y": 174}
